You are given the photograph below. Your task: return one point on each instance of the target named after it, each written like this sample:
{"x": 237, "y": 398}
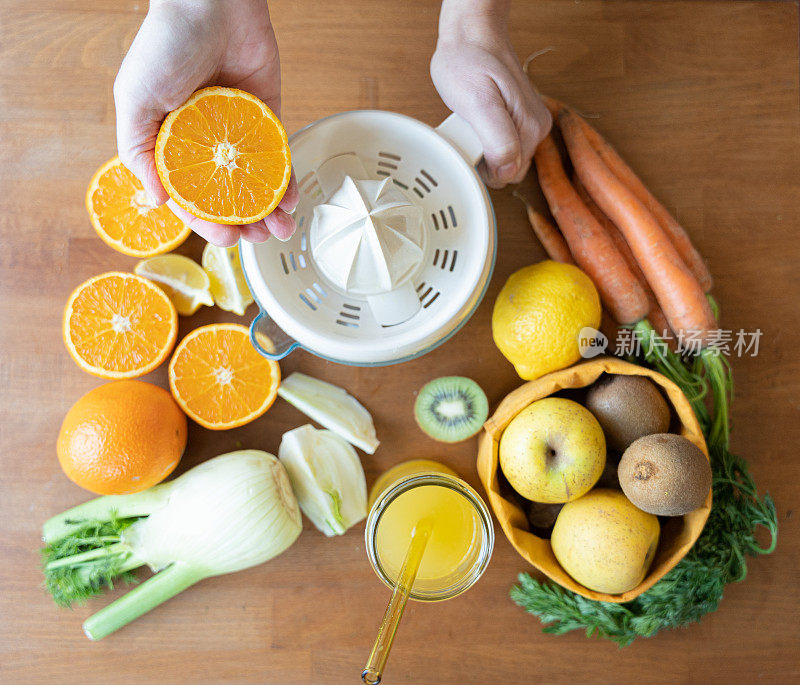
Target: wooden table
{"x": 700, "y": 97}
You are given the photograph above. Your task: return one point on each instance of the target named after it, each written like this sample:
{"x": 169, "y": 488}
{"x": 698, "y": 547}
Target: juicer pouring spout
{"x": 270, "y": 339}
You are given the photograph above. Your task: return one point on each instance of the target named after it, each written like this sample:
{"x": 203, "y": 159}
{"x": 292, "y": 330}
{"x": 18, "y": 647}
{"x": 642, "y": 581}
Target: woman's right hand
{"x": 183, "y": 45}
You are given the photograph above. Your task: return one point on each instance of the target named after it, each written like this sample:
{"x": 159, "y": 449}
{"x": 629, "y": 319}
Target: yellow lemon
{"x": 228, "y": 285}
{"x": 182, "y": 279}
{"x": 538, "y": 315}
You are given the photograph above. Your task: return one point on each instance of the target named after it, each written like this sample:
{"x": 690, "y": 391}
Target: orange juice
{"x": 428, "y": 497}
{"x": 453, "y": 522}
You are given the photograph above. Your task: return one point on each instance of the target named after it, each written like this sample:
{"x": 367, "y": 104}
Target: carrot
{"x": 591, "y": 247}
{"x": 609, "y": 328}
{"x": 676, "y": 233}
{"x": 668, "y": 223}
{"x": 677, "y": 290}
{"x": 654, "y": 314}
{"x": 549, "y": 236}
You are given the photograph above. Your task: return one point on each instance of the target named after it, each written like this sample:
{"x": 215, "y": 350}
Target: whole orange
{"x": 122, "y": 437}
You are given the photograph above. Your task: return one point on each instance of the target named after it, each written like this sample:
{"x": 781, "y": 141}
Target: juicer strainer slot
{"x": 290, "y": 262}
{"x": 350, "y": 316}
{"x": 310, "y": 185}
{"x": 440, "y": 219}
{"x": 427, "y": 297}
{"x": 431, "y": 300}
{"x": 299, "y": 261}
{"x": 307, "y": 302}
{"x": 445, "y": 256}
{"x": 430, "y": 178}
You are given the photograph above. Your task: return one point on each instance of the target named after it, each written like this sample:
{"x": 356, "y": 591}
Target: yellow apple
{"x": 553, "y": 451}
{"x": 605, "y": 542}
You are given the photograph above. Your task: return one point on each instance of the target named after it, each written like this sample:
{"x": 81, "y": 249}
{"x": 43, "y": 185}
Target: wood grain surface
{"x": 700, "y": 97}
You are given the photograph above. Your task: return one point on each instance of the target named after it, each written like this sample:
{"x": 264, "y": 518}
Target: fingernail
{"x": 287, "y": 235}
{"x": 507, "y": 171}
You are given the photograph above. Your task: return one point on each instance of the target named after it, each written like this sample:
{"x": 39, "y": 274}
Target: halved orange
{"x": 124, "y": 217}
{"x": 119, "y": 325}
{"x": 218, "y": 378}
{"x": 223, "y": 156}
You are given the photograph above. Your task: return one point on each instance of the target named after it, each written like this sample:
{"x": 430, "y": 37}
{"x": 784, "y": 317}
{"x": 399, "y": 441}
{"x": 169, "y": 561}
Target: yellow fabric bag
{"x": 678, "y": 534}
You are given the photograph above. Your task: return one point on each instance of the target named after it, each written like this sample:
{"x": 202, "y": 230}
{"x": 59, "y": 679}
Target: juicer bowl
{"x": 434, "y": 169}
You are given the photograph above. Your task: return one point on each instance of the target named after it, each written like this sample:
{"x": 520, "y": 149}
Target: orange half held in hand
{"x": 224, "y": 157}
{"x": 126, "y": 219}
{"x": 218, "y": 378}
{"x": 119, "y": 325}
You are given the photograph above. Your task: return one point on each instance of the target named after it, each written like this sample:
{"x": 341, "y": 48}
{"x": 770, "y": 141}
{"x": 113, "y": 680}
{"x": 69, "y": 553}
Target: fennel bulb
{"x": 327, "y": 478}
{"x": 227, "y": 514}
{"x": 332, "y": 407}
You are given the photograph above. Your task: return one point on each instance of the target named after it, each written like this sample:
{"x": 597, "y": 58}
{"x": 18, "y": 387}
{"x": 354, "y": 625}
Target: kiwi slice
{"x": 451, "y": 408}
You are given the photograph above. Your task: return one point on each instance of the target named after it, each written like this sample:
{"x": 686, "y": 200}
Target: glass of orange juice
{"x": 461, "y": 537}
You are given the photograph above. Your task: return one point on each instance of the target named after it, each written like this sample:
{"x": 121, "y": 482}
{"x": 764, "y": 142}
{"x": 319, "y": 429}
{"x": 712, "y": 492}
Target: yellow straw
{"x": 373, "y": 671}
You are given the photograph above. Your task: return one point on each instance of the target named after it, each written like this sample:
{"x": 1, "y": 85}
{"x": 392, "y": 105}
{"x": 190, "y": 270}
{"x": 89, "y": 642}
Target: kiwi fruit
{"x": 542, "y": 516}
{"x": 665, "y": 474}
{"x": 451, "y": 408}
{"x": 628, "y": 408}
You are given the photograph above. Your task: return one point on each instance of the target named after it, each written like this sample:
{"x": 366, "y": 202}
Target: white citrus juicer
{"x": 395, "y": 241}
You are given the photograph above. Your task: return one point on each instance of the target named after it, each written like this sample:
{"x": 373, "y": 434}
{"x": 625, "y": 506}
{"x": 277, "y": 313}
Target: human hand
{"x": 479, "y": 77}
{"x": 183, "y": 45}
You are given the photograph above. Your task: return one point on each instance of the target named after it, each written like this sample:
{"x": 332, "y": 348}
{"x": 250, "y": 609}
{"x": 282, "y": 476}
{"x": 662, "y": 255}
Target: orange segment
{"x": 119, "y": 325}
{"x": 218, "y": 378}
{"x": 124, "y": 218}
{"x": 224, "y": 156}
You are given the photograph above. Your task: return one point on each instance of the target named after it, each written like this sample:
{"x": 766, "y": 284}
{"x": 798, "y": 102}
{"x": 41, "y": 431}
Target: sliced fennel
{"x": 327, "y": 478}
{"x": 332, "y": 407}
{"x": 227, "y": 514}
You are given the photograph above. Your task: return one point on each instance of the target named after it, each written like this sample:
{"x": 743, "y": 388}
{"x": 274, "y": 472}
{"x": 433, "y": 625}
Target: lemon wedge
{"x": 183, "y": 280}
{"x": 228, "y": 286}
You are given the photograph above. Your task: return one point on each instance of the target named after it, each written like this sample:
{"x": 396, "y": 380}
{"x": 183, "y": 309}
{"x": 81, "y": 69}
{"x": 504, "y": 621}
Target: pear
{"x": 605, "y": 542}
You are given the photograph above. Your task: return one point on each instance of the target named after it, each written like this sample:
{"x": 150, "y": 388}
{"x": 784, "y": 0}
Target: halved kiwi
{"x": 451, "y": 408}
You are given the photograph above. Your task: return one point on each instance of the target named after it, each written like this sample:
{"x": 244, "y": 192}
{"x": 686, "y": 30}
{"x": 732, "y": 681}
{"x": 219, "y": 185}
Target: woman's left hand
{"x": 479, "y": 77}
